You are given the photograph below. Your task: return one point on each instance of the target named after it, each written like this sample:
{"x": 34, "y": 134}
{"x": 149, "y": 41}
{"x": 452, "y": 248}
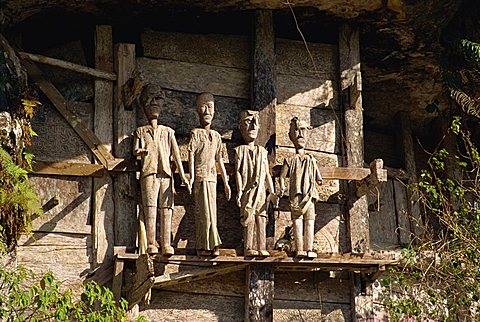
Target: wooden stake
{"x": 103, "y": 205}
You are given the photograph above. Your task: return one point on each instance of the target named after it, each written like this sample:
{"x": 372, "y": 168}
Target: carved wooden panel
{"x": 211, "y": 49}
{"x": 56, "y": 140}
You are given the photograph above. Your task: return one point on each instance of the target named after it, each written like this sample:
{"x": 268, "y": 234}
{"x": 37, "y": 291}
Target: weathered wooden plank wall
{"x": 311, "y": 295}
{"x": 61, "y": 239}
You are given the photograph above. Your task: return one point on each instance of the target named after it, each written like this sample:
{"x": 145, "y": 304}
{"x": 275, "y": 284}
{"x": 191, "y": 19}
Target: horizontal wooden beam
{"x": 68, "y": 169}
{"x": 350, "y": 262}
{"x": 68, "y": 65}
{"x": 64, "y": 107}
{"x": 124, "y": 165}
{"x": 195, "y": 275}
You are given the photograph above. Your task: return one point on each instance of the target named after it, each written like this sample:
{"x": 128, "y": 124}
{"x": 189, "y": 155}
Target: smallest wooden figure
{"x": 253, "y": 179}
{"x": 303, "y": 194}
{"x": 156, "y": 145}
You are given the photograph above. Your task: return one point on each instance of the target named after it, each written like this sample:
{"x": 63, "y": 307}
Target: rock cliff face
{"x": 401, "y": 39}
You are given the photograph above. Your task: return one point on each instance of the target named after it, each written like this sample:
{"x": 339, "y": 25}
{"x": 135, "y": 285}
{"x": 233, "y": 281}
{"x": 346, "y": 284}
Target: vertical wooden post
{"x": 405, "y": 142}
{"x": 263, "y": 92}
{"x": 351, "y": 85}
{"x": 259, "y": 293}
{"x": 117, "y": 281}
{"x": 263, "y": 79}
{"x": 259, "y": 278}
{"x": 125, "y": 124}
{"x": 357, "y": 208}
{"x": 103, "y": 206}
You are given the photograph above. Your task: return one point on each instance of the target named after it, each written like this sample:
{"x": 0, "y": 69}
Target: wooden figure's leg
{"x": 151, "y": 224}
{"x": 309, "y": 236}
{"x": 248, "y": 239}
{"x": 166, "y": 231}
{"x": 298, "y": 235}
{"x": 262, "y": 235}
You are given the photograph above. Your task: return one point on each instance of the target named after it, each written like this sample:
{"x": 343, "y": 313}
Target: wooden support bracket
{"x": 196, "y": 275}
{"x": 141, "y": 282}
{"x": 63, "y": 106}
{"x": 377, "y": 175}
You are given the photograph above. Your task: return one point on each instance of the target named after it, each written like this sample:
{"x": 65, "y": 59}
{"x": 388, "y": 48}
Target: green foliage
{"x": 18, "y": 201}
{"x": 24, "y": 297}
{"x": 461, "y": 76}
{"x": 439, "y": 277}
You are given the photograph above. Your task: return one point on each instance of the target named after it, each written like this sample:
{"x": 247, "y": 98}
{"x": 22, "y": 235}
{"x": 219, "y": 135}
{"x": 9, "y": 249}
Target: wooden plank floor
{"x": 350, "y": 262}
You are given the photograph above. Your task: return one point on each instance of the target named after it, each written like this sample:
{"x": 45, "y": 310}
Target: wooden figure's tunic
{"x": 207, "y": 148}
{"x": 253, "y": 168}
{"x": 303, "y": 193}
{"x": 156, "y": 178}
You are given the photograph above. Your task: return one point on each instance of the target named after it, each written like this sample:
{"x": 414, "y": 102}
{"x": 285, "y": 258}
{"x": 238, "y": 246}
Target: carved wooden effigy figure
{"x": 205, "y": 153}
{"x": 253, "y": 179}
{"x": 156, "y": 146}
{"x": 304, "y": 176}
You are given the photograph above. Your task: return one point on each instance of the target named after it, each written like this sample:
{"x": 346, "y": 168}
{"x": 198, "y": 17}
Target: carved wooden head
{"x": 298, "y": 133}
{"x": 205, "y": 108}
{"x": 249, "y": 125}
{"x": 152, "y": 99}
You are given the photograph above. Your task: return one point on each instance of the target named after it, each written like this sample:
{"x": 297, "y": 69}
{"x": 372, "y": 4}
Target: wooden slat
{"x": 327, "y": 261}
{"x": 54, "y": 254}
{"x": 307, "y": 91}
{"x": 125, "y": 124}
{"x": 67, "y": 204}
{"x": 38, "y": 238}
{"x": 210, "y": 49}
{"x": 68, "y": 169}
{"x": 319, "y": 310}
{"x": 103, "y": 205}
{"x": 63, "y": 106}
{"x": 178, "y": 306}
{"x": 68, "y": 65}
{"x": 382, "y": 220}
{"x": 402, "y": 212}
{"x": 190, "y": 77}
{"x": 405, "y": 141}
{"x": 292, "y": 58}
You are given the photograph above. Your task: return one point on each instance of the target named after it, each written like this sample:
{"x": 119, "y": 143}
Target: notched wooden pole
{"x": 259, "y": 293}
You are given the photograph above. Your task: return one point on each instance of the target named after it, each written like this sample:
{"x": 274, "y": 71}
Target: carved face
{"x": 205, "y": 110}
{"x": 153, "y": 108}
{"x": 152, "y": 99}
{"x": 249, "y": 125}
{"x": 298, "y": 133}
